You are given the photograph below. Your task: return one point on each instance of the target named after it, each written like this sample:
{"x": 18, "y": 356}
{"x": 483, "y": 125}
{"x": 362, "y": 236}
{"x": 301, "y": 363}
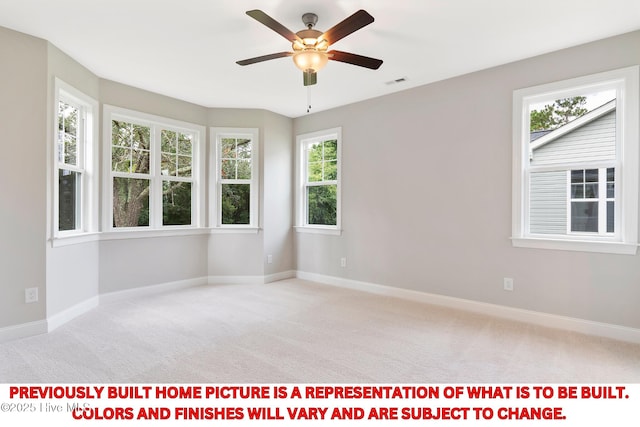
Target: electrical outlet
{"x": 30, "y": 295}
{"x": 343, "y": 262}
{"x": 508, "y": 284}
{"x": 269, "y": 259}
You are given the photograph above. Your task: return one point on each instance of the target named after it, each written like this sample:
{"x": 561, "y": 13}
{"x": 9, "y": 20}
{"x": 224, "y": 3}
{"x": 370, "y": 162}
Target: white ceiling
{"x": 187, "y": 48}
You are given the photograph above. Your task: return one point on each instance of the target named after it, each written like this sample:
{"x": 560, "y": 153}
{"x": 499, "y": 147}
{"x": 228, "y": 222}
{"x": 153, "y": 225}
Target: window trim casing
{"x": 301, "y": 216}
{"x": 155, "y": 227}
{"x": 627, "y": 163}
{"x": 215, "y": 184}
{"x": 89, "y": 198}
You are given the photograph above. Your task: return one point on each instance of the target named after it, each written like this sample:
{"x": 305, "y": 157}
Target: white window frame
{"x": 156, "y": 124}
{"x": 625, "y": 239}
{"x": 303, "y": 141}
{"x": 87, "y": 218}
{"x": 215, "y": 220}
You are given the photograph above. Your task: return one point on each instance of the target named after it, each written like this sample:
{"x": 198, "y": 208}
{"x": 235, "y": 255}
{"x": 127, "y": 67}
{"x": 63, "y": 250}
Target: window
{"x": 74, "y": 183}
{"x": 154, "y": 171}
{"x": 592, "y": 201}
{"x": 575, "y": 166}
{"x": 319, "y": 181}
{"x": 235, "y": 190}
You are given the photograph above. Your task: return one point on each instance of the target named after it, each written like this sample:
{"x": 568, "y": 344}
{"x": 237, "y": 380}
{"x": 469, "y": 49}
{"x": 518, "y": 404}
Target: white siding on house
{"x": 548, "y": 202}
{"x": 595, "y": 141}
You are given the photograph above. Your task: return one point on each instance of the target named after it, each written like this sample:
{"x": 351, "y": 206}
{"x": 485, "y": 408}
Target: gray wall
{"x": 23, "y": 108}
{"x": 69, "y": 275}
{"x": 427, "y": 196}
{"x": 72, "y": 271}
{"x": 132, "y": 263}
{"x": 241, "y": 254}
{"x": 278, "y": 194}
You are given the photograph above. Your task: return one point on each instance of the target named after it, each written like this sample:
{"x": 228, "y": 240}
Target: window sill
{"x": 235, "y": 230}
{"x": 74, "y": 239}
{"x": 319, "y": 230}
{"x": 147, "y": 233}
{"x": 575, "y": 245}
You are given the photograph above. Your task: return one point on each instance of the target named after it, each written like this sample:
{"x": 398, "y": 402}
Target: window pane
{"x": 314, "y": 172}
{"x": 69, "y": 190}
{"x": 130, "y": 135}
{"x": 120, "y": 159}
{"x": 228, "y": 169}
{"x": 68, "y": 119}
{"x": 130, "y": 202}
{"x": 228, "y": 148}
{"x": 322, "y": 205}
{"x": 244, "y": 169}
{"x": 577, "y": 176}
{"x": 141, "y": 137}
{"x": 611, "y": 217}
{"x": 591, "y": 191}
{"x": 611, "y": 191}
{"x": 120, "y": 133}
{"x": 611, "y": 187}
{"x": 331, "y": 150}
{"x": 244, "y": 148}
{"x": 235, "y": 203}
{"x": 140, "y": 161}
{"x": 331, "y": 171}
{"x": 70, "y": 150}
{"x": 577, "y": 191}
{"x": 591, "y": 175}
{"x": 584, "y": 216}
{"x": 168, "y": 164}
{"x": 611, "y": 174}
{"x": 168, "y": 141}
{"x": 184, "y": 166}
{"x": 185, "y": 143}
{"x": 176, "y": 203}
{"x": 315, "y": 153}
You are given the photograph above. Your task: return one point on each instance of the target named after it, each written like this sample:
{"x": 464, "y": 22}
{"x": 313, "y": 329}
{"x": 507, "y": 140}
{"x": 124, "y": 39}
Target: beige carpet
{"x": 300, "y": 332}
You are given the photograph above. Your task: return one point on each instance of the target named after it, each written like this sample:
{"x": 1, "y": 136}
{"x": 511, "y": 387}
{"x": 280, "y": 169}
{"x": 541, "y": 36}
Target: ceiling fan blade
{"x": 265, "y": 19}
{"x": 264, "y": 58}
{"x": 349, "y": 25}
{"x": 352, "y": 58}
{"x": 310, "y": 77}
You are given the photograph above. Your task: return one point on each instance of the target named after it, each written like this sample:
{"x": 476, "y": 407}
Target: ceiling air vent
{"x": 400, "y": 80}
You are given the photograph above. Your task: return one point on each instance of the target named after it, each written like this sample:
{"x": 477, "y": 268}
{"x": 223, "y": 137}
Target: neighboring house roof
{"x": 540, "y": 140}
{"x": 538, "y": 134}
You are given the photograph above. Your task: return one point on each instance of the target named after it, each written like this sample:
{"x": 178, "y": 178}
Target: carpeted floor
{"x": 300, "y": 332}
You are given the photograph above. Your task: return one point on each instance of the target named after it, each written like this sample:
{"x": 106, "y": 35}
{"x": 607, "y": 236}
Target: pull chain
{"x": 308, "y": 99}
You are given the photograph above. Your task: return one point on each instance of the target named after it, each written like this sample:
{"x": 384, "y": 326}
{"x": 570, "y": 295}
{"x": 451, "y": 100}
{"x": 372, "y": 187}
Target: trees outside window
{"x": 319, "y": 180}
{"x": 236, "y": 186}
{"x": 74, "y": 196}
{"x": 154, "y": 171}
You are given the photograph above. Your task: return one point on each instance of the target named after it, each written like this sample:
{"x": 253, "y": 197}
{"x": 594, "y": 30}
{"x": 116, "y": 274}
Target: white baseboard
{"x": 605, "y": 330}
{"x": 71, "y": 313}
{"x": 152, "y": 289}
{"x": 23, "y": 330}
{"x": 251, "y": 280}
{"x": 283, "y": 275}
{"x": 236, "y": 280}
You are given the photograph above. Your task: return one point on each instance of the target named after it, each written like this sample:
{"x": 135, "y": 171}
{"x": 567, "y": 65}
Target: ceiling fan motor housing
{"x": 309, "y": 20}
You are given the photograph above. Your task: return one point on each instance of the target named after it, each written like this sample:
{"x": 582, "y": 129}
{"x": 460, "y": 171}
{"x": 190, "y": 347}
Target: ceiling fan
{"x": 310, "y": 46}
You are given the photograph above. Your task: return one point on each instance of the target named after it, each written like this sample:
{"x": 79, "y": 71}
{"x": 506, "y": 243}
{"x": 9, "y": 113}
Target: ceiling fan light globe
{"x": 310, "y": 60}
